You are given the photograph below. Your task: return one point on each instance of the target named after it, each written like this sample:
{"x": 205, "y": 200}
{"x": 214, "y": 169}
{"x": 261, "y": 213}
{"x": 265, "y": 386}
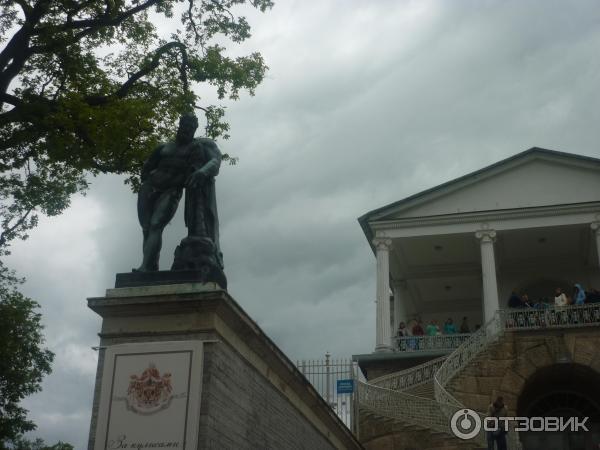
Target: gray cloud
{"x": 365, "y": 103}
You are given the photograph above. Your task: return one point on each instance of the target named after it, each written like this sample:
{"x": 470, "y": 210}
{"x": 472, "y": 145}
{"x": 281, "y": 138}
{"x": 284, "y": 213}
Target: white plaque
{"x": 150, "y": 396}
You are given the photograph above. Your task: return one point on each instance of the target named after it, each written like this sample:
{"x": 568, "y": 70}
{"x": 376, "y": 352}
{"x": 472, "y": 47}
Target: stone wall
{"x": 253, "y": 396}
{"x": 380, "y": 433}
{"x": 505, "y": 367}
{"x": 240, "y": 409}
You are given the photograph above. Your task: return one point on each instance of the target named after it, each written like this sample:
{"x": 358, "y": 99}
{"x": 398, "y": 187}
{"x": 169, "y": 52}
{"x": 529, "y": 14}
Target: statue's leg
{"x": 145, "y": 206}
{"x": 164, "y": 210}
{"x": 147, "y": 197}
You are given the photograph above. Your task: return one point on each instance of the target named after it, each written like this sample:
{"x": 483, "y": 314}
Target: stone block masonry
{"x": 253, "y": 397}
{"x": 506, "y": 367}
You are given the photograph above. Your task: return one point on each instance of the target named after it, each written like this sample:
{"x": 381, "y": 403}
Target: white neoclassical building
{"x": 530, "y": 222}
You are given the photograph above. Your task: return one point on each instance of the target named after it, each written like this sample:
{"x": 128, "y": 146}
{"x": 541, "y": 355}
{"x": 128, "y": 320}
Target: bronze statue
{"x": 189, "y": 164}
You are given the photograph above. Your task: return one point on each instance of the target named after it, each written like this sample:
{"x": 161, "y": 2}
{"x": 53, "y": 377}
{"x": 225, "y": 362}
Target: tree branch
{"x": 17, "y": 51}
{"x": 124, "y": 89}
{"x": 223, "y": 9}
{"x": 11, "y": 99}
{"x": 97, "y": 22}
{"x": 27, "y": 9}
{"x": 192, "y": 22}
{"x": 10, "y": 230}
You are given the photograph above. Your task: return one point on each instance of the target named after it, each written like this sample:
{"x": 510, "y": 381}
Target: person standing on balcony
{"x": 593, "y": 296}
{"x": 560, "y": 299}
{"x": 514, "y": 300}
{"x": 539, "y": 317}
{"x": 400, "y": 334}
{"x": 525, "y": 300}
{"x": 449, "y": 327}
{"x": 579, "y": 294}
{"x": 433, "y": 328}
{"x": 418, "y": 329}
{"x": 402, "y": 330}
{"x": 497, "y": 409}
{"x": 464, "y": 326}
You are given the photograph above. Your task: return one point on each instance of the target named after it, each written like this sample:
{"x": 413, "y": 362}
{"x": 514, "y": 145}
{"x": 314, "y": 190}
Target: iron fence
{"x": 324, "y": 375}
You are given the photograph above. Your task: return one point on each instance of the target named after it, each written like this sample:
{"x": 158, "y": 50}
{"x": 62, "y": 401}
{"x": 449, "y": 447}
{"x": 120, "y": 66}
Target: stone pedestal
{"x": 201, "y": 255}
{"x": 183, "y": 366}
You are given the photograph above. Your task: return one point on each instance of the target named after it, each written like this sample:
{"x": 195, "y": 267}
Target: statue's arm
{"x": 152, "y": 162}
{"x": 211, "y": 168}
{"x": 208, "y": 170}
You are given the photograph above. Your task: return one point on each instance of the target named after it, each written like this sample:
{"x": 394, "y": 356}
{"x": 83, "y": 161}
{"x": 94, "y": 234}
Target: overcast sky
{"x": 366, "y": 102}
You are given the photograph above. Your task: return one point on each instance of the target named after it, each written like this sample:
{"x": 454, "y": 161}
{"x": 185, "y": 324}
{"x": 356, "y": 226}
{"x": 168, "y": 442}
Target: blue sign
{"x": 345, "y": 386}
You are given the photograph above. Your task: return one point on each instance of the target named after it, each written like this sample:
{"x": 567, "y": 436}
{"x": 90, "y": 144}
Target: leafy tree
{"x": 91, "y": 86}
{"x": 23, "y": 361}
{"x": 21, "y": 443}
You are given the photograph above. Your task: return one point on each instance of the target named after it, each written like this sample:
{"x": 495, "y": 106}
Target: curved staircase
{"x": 420, "y": 398}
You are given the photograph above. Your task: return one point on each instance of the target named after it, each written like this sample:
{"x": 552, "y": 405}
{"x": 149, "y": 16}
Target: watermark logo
{"x": 466, "y": 424}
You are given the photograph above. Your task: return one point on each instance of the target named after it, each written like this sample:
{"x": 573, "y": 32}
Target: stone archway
{"x": 562, "y": 390}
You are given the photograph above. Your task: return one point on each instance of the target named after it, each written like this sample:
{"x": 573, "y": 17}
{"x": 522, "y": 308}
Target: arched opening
{"x": 562, "y": 390}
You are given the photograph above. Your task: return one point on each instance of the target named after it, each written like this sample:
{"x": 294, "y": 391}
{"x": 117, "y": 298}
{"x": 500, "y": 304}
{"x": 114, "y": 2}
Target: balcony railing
{"x": 572, "y": 316}
{"x": 424, "y": 343}
{"x": 387, "y": 395}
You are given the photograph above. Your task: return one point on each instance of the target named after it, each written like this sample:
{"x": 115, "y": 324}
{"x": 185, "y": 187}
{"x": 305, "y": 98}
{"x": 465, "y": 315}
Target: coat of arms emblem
{"x": 150, "y": 392}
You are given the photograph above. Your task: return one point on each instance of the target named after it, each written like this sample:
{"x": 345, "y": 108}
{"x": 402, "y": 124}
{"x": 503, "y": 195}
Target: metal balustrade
{"x": 462, "y": 356}
{"x": 409, "y": 409}
{"x": 551, "y": 317}
{"x": 385, "y": 396}
{"x": 406, "y": 379}
{"x": 424, "y": 343}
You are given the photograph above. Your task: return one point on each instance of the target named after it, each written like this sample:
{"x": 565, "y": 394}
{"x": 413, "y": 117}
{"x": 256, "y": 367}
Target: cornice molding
{"x": 484, "y": 216}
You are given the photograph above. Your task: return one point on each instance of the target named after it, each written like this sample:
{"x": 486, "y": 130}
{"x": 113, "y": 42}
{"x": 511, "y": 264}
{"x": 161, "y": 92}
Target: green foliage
{"x": 88, "y": 87}
{"x": 23, "y": 361}
{"x": 20, "y": 443}
{"x": 92, "y": 86}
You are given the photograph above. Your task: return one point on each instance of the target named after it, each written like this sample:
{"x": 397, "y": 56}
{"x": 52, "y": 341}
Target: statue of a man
{"x": 184, "y": 163}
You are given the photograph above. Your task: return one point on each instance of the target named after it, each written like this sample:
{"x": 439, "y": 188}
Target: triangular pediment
{"x": 534, "y": 178}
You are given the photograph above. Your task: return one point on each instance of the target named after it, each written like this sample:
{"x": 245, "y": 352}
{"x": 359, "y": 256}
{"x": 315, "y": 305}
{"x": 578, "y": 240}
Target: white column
{"x": 596, "y": 229}
{"x": 400, "y": 310}
{"x": 382, "y": 320}
{"x": 488, "y": 271}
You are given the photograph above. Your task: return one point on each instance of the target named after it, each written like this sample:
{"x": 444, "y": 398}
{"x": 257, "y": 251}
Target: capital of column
{"x": 595, "y": 226}
{"x": 382, "y": 243}
{"x": 486, "y": 235}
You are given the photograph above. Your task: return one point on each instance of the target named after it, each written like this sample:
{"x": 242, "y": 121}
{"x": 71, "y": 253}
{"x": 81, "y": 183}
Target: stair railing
{"x": 407, "y": 408}
{"x": 461, "y": 357}
{"x": 384, "y": 395}
{"x": 411, "y": 377}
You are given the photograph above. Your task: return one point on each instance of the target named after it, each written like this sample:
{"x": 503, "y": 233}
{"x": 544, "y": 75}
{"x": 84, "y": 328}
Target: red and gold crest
{"x": 150, "y": 392}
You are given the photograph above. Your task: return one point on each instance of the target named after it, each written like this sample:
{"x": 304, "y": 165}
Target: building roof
{"x": 535, "y": 152}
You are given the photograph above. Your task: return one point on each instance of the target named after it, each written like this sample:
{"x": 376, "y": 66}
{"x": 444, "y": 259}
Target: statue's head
{"x": 188, "y": 123}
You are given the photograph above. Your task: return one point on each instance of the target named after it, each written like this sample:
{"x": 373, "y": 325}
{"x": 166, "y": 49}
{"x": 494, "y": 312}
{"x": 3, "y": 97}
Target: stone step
{"x": 425, "y": 390}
